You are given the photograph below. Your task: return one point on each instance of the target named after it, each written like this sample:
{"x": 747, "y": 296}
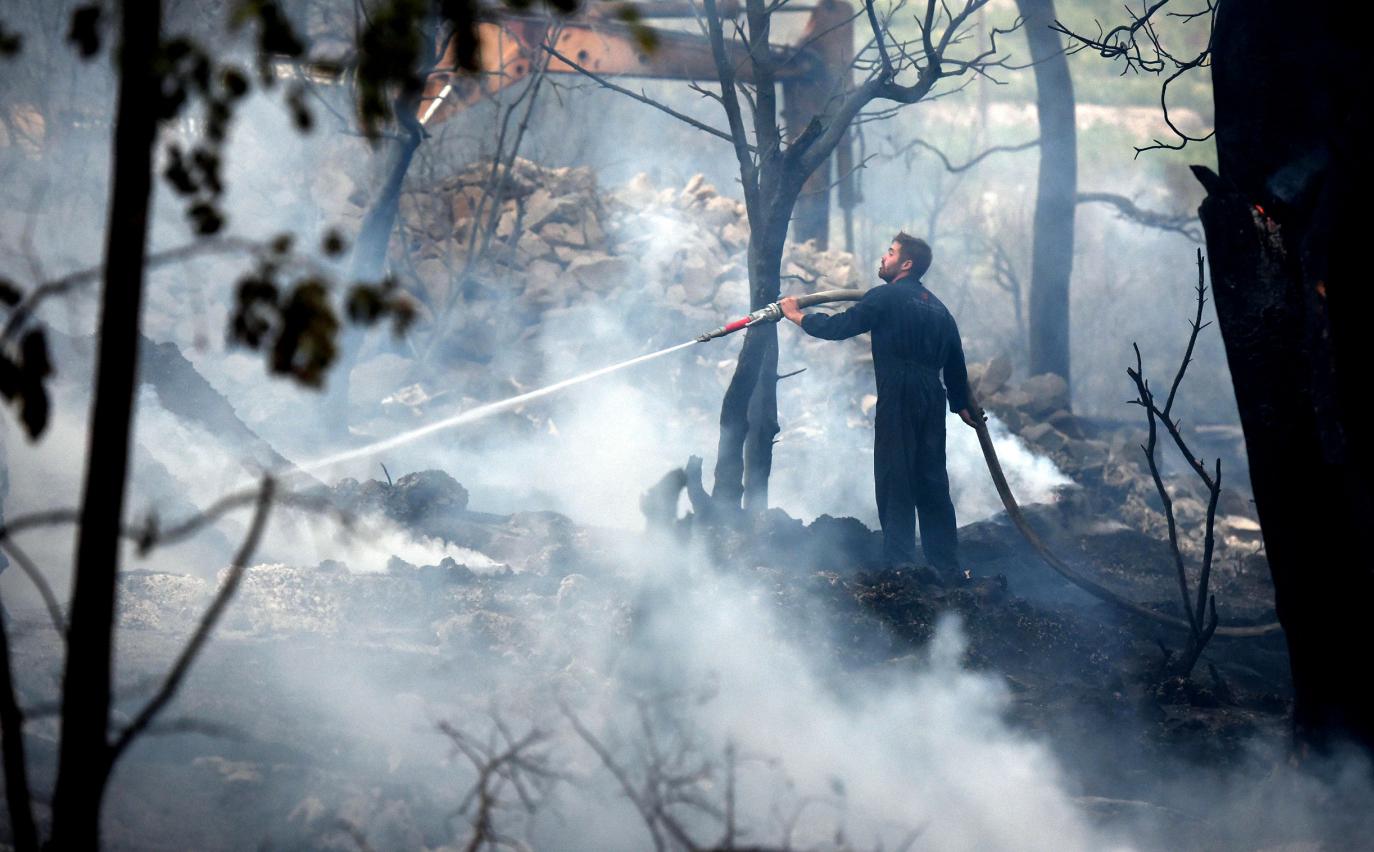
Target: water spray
{"x": 769, "y": 313}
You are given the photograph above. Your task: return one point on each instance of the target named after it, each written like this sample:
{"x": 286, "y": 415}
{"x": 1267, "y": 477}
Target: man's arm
{"x": 841, "y": 326}
{"x": 956, "y": 375}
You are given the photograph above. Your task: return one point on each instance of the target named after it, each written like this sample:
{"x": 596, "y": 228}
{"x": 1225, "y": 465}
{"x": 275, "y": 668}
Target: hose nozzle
{"x": 767, "y": 313}
{"x": 773, "y": 312}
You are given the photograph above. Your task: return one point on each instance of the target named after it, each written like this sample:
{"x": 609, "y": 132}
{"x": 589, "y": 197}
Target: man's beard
{"x": 884, "y": 275}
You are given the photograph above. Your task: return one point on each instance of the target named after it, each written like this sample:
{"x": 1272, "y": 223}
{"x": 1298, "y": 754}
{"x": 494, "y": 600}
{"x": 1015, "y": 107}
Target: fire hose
{"x": 773, "y": 313}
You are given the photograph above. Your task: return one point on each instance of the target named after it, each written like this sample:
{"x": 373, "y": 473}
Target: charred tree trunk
{"x": 84, "y": 760}
{"x": 368, "y": 261}
{"x": 1282, "y": 223}
{"x": 749, "y": 412}
{"x": 1057, "y": 187}
{"x": 763, "y": 424}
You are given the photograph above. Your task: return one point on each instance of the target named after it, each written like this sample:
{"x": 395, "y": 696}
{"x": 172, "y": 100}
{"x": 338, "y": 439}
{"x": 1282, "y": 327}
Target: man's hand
{"x": 972, "y": 416}
{"x": 790, "y": 309}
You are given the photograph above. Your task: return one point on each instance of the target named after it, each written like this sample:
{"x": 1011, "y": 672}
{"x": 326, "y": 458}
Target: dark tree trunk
{"x": 1281, "y": 223}
{"x": 368, "y": 261}
{"x": 763, "y": 424}
{"x": 1057, "y": 187}
{"x": 84, "y": 760}
{"x": 749, "y": 412}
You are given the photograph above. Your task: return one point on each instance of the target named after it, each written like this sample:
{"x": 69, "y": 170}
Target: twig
{"x": 1128, "y": 209}
{"x": 950, "y": 167}
{"x": 20, "y": 313}
{"x": 1202, "y": 613}
{"x": 59, "y": 622}
{"x": 592, "y": 75}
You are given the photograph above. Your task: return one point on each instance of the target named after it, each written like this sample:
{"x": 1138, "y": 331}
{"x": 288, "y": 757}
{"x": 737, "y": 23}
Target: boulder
{"x": 599, "y": 272}
{"x": 435, "y": 279}
{"x": 1047, "y": 392}
{"x": 531, "y": 247}
{"x": 561, "y": 233}
{"x": 1045, "y": 436}
{"x": 542, "y": 208}
{"x": 995, "y": 376}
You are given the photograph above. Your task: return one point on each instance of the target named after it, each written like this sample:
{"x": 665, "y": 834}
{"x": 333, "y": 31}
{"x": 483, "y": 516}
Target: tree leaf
{"x": 85, "y": 30}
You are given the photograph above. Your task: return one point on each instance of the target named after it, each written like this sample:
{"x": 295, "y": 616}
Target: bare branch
{"x": 748, "y": 171}
{"x": 1138, "y": 45}
{"x": 30, "y": 569}
{"x": 207, "y": 624}
{"x": 963, "y": 167}
{"x": 1128, "y": 209}
{"x": 644, "y": 99}
{"x": 21, "y": 312}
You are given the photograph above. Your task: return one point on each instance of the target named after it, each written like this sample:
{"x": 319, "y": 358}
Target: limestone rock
{"x": 599, "y": 272}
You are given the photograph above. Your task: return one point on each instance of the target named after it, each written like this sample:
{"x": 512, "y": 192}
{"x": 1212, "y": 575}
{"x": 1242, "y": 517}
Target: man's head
{"x": 907, "y": 256}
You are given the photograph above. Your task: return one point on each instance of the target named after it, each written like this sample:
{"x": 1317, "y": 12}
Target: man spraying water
{"x": 914, "y": 339}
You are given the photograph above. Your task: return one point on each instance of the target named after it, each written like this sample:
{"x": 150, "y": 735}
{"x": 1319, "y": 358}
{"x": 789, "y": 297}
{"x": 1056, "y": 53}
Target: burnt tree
{"x": 1282, "y": 221}
{"x": 1282, "y": 218}
{"x": 85, "y": 754}
{"x": 774, "y": 171}
{"x": 1056, "y": 192}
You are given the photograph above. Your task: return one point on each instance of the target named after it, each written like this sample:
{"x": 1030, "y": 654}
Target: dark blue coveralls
{"x": 914, "y": 338}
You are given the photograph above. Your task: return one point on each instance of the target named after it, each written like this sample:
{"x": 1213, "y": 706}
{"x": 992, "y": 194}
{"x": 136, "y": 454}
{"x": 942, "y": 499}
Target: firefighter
{"x": 914, "y": 340}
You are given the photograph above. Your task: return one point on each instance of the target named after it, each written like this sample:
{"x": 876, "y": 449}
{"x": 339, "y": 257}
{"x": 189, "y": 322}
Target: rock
{"x": 544, "y": 284}
{"x": 435, "y": 279}
{"x": 697, "y": 279}
{"x": 697, "y": 191}
{"x": 1088, "y": 453}
{"x": 719, "y": 212}
{"x": 1045, "y": 436}
{"x": 591, "y": 229}
{"x": 1047, "y": 392}
{"x": 1011, "y": 399}
{"x": 505, "y": 226}
{"x": 561, "y": 233}
{"x": 570, "y": 589}
{"x": 640, "y": 191}
{"x": 463, "y": 203}
{"x": 422, "y": 211}
{"x": 1065, "y": 421}
{"x": 599, "y": 272}
{"x": 530, "y": 247}
{"x": 542, "y": 208}
{"x": 429, "y": 492}
{"x": 735, "y": 236}
{"x": 995, "y": 376}
{"x": 1189, "y": 510}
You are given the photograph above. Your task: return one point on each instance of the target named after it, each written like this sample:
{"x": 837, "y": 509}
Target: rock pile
{"x": 670, "y": 262}
{"x": 555, "y": 239}
{"x": 1109, "y": 464}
